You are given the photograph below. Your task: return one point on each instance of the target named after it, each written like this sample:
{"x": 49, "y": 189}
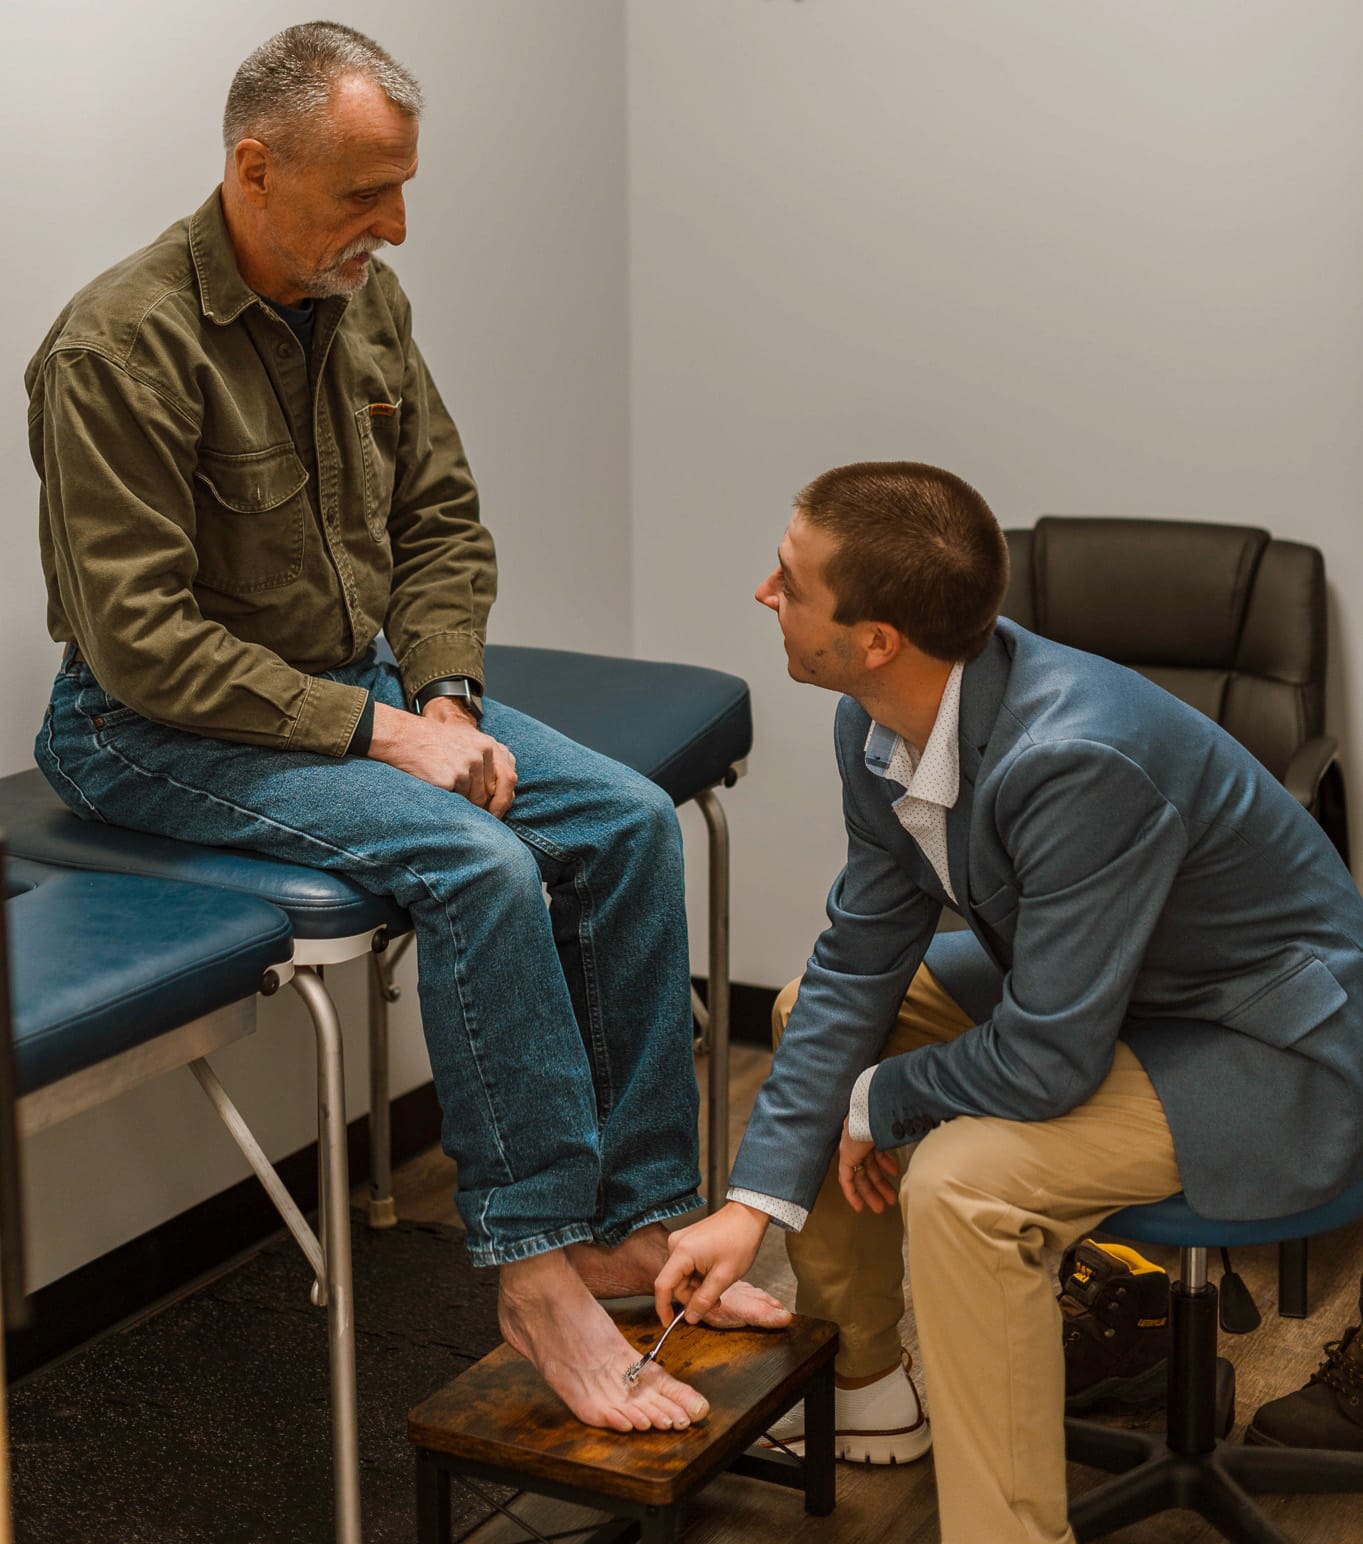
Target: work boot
{"x": 1115, "y": 1305}
{"x": 1327, "y": 1411}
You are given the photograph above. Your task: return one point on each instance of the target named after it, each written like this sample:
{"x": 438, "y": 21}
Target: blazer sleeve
{"x": 1096, "y": 848}
{"x": 879, "y": 925}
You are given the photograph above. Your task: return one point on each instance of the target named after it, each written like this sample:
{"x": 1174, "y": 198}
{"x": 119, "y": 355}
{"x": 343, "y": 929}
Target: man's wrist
{"x": 450, "y": 710}
{"x": 462, "y": 689}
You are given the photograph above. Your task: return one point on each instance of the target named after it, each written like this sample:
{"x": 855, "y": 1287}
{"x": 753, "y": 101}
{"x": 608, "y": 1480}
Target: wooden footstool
{"x": 499, "y": 1423}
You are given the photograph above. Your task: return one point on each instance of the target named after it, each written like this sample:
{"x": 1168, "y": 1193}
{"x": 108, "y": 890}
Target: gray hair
{"x": 281, "y": 93}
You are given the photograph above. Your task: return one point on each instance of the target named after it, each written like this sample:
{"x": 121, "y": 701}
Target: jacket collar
{"x": 983, "y": 685}
{"x": 223, "y": 293}
{"x": 982, "y": 690}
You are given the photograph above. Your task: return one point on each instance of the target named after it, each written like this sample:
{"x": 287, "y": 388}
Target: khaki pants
{"x": 981, "y": 1199}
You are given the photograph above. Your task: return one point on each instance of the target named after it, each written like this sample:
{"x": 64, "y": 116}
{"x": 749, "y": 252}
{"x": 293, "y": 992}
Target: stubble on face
{"x": 333, "y": 278}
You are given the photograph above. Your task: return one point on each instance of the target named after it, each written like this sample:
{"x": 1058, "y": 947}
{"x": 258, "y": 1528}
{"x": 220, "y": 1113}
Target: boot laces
{"x": 1342, "y": 1368}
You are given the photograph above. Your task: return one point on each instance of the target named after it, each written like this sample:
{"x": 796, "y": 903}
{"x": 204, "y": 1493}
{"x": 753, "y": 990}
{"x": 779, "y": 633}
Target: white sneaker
{"x": 882, "y": 1423}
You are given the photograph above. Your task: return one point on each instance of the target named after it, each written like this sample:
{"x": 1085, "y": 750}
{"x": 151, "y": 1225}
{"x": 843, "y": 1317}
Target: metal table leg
{"x": 340, "y": 1304}
{"x": 717, "y": 1006}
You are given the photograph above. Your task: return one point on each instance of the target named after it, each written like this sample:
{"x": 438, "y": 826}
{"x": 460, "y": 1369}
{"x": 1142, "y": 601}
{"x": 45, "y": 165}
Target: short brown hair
{"x": 916, "y": 547}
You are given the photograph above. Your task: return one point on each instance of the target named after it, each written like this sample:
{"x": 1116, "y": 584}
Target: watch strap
{"x": 463, "y": 687}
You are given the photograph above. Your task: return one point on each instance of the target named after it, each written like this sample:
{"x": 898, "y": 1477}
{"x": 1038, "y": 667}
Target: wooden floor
{"x": 899, "y": 1505}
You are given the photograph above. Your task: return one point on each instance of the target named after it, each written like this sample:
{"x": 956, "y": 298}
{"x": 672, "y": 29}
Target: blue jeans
{"x": 559, "y": 1036}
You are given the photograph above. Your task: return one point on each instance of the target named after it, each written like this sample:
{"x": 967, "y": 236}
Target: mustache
{"x": 360, "y": 247}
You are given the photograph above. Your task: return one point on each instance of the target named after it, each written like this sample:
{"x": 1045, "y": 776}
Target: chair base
{"x": 1218, "y": 1484}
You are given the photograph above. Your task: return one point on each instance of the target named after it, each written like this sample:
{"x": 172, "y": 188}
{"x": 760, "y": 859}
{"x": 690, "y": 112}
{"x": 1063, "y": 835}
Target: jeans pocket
{"x": 103, "y": 712}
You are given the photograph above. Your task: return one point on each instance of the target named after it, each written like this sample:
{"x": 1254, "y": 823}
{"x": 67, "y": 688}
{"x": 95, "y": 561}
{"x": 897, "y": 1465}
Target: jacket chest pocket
{"x": 251, "y": 512}
{"x": 376, "y": 424}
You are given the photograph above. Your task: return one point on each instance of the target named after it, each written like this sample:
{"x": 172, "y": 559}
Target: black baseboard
{"x": 71, "y": 1311}
{"x": 128, "y": 1280}
{"x": 749, "y": 1011}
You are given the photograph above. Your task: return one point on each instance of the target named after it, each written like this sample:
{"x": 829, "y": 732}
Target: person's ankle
{"x": 860, "y": 1383}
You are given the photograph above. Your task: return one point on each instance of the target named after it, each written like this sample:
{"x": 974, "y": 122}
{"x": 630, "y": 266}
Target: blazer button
{"x": 284, "y": 350}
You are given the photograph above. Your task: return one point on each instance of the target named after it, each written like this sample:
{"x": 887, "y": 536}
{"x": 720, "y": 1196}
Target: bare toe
{"x": 745, "y": 1304}
{"x": 690, "y": 1404}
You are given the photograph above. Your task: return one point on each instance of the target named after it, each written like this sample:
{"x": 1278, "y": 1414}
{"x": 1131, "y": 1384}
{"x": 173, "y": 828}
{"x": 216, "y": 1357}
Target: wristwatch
{"x": 452, "y": 686}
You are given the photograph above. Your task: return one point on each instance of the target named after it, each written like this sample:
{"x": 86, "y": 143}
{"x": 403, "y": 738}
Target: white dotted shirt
{"x": 932, "y": 783}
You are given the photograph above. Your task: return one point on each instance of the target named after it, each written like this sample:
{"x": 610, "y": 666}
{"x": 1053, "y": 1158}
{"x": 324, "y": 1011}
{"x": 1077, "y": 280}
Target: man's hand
{"x": 706, "y": 1259}
{"x": 445, "y": 746}
{"x": 867, "y": 1178}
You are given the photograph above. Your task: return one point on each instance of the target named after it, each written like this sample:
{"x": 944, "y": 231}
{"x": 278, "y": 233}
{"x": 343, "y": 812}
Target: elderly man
{"x": 1151, "y": 916}
{"x": 246, "y": 473}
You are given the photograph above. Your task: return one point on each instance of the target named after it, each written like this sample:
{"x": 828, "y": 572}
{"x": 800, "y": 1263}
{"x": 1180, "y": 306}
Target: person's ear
{"x": 882, "y": 644}
{"x": 254, "y": 169}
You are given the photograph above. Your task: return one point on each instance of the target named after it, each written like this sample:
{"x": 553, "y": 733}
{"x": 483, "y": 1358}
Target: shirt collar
{"x": 938, "y": 768}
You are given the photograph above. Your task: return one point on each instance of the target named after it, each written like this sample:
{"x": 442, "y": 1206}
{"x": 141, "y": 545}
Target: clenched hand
{"x": 446, "y": 747}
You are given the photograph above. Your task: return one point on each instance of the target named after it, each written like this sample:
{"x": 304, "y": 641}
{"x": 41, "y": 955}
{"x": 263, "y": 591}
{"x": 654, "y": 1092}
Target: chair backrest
{"x": 1226, "y": 617}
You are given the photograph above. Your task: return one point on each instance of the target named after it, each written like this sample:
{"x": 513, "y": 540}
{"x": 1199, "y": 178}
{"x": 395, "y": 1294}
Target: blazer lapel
{"x": 982, "y": 687}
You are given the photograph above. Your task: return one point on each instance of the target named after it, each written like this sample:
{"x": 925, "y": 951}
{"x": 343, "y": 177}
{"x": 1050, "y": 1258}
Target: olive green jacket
{"x": 216, "y": 528}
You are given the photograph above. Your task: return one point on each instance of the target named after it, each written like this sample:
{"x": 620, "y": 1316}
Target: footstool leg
{"x": 820, "y": 1484}
{"x": 432, "y": 1501}
{"x": 658, "y": 1525}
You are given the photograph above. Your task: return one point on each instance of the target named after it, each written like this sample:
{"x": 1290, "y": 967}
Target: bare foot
{"x": 549, "y": 1316}
{"x": 631, "y": 1268}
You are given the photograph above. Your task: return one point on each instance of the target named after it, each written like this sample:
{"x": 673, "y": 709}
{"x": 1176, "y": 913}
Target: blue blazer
{"x": 1131, "y": 872}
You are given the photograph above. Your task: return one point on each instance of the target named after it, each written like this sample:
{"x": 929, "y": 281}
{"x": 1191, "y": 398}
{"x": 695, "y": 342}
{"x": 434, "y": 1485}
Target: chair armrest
{"x": 1308, "y": 766}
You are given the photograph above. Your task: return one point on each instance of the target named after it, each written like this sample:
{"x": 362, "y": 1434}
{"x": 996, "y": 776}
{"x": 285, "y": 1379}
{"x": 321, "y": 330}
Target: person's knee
{"x": 945, "y": 1167}
{"x": 782, "y": 1008}
{"x": 490, "y": 856}
{"x": 637, "y": 807}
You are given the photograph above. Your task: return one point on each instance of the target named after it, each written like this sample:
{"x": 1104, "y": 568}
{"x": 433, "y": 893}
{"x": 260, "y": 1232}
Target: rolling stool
{"x": 1191, "y": 1465}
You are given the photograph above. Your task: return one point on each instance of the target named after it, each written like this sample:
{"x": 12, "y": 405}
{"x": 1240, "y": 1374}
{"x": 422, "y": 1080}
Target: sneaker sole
{"x": 886, "y": 1448}
{"x": 1146, "y": 1388}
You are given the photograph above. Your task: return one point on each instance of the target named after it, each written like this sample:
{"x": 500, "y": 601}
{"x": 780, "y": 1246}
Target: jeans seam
{"x": 605, "y": 1088}
{"x": 524, "y": 1249}
{"x": 610, "y": 1237}
{"x": 64, "y": 775}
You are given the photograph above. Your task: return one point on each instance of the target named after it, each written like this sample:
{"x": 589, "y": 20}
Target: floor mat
{"x": 209, "y": 1422}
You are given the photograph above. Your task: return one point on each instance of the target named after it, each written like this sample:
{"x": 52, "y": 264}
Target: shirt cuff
{"x": 785, "y": 1213}
{"x": 363, "y": 736}
{"x": 859, "y": 1111}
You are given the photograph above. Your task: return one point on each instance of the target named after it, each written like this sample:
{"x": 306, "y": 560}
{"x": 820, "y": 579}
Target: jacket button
{"x": 99, "y": 723}
{"x": 898, "y": 1128}
{"x": 284, "y": 350}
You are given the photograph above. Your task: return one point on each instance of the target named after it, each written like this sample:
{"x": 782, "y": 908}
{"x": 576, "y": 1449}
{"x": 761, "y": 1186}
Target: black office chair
{"x": 1227, "y": 618}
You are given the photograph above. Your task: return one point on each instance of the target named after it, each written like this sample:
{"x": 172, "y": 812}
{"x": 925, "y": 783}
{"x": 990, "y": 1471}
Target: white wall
{"x": 516, "y": 264}
{"x": 1095, "y": 256}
